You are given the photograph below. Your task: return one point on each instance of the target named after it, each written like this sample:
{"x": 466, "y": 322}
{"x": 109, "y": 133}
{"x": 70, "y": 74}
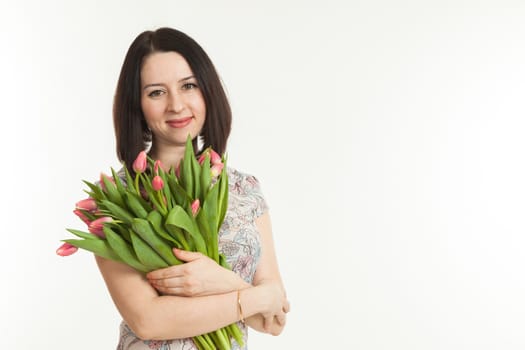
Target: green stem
{"x": 207, "y": 342}
{"x": 137, "y": 176}
{"x": 224, "y": 338}
{"x": 236, "y": 333}
{"x": 160, "y": 198}
{"x": 212, "y": 343}
{"x": 200, "y": 343}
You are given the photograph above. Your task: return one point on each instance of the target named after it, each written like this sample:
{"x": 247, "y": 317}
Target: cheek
{"x": 199, "y": 105}
{"x": 150, "y": 110}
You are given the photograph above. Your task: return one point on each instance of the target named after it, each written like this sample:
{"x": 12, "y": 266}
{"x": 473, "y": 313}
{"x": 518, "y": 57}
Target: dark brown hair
{"x": 131, "y": 132}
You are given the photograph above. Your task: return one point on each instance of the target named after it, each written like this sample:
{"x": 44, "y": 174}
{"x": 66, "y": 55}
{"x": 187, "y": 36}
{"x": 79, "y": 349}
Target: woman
{"x": 168, "y": 88}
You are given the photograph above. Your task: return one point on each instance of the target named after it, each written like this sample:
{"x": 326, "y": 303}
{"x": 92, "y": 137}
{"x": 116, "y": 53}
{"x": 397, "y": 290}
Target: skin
{"x": 203, "y": 292}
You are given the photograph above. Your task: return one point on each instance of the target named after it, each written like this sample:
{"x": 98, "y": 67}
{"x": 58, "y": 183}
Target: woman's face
{"x": 171, "y": 100}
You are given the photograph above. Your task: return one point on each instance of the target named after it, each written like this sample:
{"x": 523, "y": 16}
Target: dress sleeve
{"x": 255, "y": 192}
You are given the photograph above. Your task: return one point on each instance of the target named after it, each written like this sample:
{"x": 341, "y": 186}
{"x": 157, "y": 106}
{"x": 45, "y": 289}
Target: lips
{"x": 179, "y": 123}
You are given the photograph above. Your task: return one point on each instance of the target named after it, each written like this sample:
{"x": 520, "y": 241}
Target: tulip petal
{"x": 141, "y": 162}
{"x": 66, "y": 249}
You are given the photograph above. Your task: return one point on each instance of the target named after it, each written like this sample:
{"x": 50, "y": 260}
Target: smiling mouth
{"x": 179, "y": 123}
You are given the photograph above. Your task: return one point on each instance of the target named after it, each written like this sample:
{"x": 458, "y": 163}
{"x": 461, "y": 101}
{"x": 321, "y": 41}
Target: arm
{"x": 151, "y": 316}
{"x": 202, "y": 276}
{"x": 267, "y": 274}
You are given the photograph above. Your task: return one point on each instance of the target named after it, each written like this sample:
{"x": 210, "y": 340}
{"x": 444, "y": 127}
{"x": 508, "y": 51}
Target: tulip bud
{"x": 87, "y": 204}
{"x": 82, "y": 216}
{"x": 215, "y": 158}
{"x": 140, "y": 164}
{"x": 66, "y": 249}
{"x": 202, "y": 157}
{"x": 216, "y": 169}
{"x": 95, "y": 227}
{"x": 158, "y": 164}
{"x": 195, "y": 205}
{"x": 157, "y": 183}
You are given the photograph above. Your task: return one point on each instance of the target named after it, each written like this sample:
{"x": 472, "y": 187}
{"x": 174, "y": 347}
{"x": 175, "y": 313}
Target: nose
{"x": 176, "y": 103}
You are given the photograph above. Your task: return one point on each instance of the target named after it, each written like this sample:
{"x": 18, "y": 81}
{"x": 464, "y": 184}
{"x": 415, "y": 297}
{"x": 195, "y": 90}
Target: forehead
{"x": 164, "y": 67}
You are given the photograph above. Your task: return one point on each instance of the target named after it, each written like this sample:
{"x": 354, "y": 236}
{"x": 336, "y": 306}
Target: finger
{"x": 286, "y": 307}
{"x": 281, "y": 319}
{"x": 167, "y": 282}
{"x": 168, "y": 272}
{"x": 171, "y": 291}
{"x": 186, "y": 255}
{"x": 267, "y": 322}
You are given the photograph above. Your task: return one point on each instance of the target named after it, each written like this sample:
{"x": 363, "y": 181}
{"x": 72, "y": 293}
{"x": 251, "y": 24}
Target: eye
{"x": 155, "y": 93}
{"x": 189, "y": 86}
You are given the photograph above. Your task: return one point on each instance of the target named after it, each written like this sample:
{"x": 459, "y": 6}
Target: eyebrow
{"x": 159, "y": 84}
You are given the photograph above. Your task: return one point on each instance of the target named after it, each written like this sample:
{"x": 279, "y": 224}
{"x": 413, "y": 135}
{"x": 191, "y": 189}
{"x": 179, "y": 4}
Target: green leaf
{"x": 223, "y": 262}
{"x": 160, "y": 246}
{"x": 166, "y": 189}
{"x": 210, "y": 207}
{"x": 179, "y": 218}
{"x": 97, "y": 193}
{"x": 123, "y": 250}
{"x": 112, "y": 192}
{"x": 117, "y": 212}
{"x": 223, "y": 194}
{"x": 135, "y": 205}
{"x": 155, "y": 219}
{"x": 196, "y": 174}
{"x": 180, "y": 236}
{"x": 182, "y": 198}
{"x": 82, "y": 234}
{"x": 146, "y": 254}
{"x": 185, "y": 171}
{"x": 205, "y": 177}
{"x": 146, "y": 182}
{"x": 99, "y": 247}
{"x": 129, "y": 180}
{"x": 118, "y": 183}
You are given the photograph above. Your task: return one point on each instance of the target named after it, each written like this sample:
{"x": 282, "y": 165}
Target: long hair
{"x": 131, "y": 131}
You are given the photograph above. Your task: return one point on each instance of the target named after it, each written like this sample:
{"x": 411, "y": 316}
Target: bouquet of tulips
{"x": 138, "y": 219}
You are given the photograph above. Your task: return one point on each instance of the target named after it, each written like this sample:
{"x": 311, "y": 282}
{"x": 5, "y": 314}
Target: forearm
{"x": 257, "y": 321}
{"x": 173, "y": 317}
{"x": 151, "y": 316}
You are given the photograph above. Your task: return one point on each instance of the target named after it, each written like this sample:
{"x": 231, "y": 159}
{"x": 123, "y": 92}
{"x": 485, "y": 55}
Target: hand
{"x": 274, "y": 317}
{"x": 199, "y": 276}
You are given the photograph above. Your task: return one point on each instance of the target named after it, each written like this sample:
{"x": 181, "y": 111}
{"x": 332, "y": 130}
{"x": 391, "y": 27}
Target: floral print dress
{"x": 239, "y": 241}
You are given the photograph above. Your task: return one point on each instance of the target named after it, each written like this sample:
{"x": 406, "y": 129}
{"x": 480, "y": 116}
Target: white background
{"x": 387, "y": 135}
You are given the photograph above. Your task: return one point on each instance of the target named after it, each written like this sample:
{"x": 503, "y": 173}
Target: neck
{"x": 170, "y": 156}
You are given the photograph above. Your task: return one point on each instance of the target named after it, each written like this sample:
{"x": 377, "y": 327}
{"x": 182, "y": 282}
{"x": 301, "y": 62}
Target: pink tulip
{"x": 216, "y": 169}
{"x": 195, "y": 205}
{"x": 158, "y": 164}
{"x": 215, "y": 158}
{"x": 140, "y": 164}
{"x": 66, "y": 249}
{"x": 96, "y": 226}
{"x": 157, "y": 183}
{"x": 202, "y": 157}
{"x": 82, "y": 216}
{"x": 87, "y": 204}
